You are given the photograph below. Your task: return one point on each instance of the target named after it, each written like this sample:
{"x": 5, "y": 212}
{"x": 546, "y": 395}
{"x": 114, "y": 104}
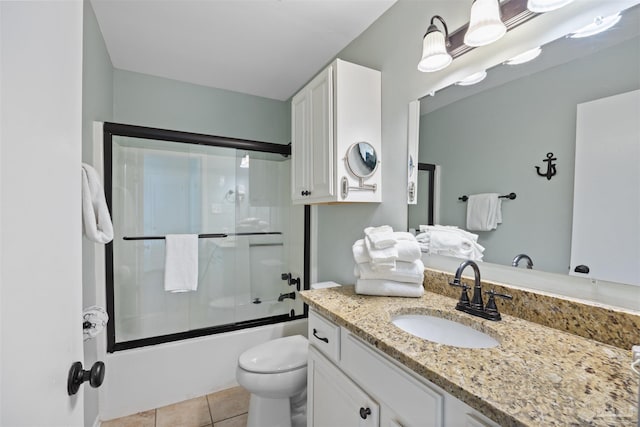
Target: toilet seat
{"x": 276, "y": 356}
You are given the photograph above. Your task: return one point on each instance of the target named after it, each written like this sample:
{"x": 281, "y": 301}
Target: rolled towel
{"x": 380, "y": 237}
{"x": 404, "y": 236}
{"x": 181, "y": 262}
{"x": 95, "y": 213}
{"x": 380, "y": 257}
{"x": 449, "y": 228}
{"x": 405, "y": 272}
{"x": 388, "y": 288}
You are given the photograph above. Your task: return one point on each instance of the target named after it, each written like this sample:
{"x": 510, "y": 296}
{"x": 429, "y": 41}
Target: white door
{"x": 40, "y": 222}
{"x": 321, "y": 135}
{"x": 606, "y": 206}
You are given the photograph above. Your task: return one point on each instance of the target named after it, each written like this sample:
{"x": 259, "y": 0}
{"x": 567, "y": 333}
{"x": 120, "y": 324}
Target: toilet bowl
{"x": 275, "y": 373}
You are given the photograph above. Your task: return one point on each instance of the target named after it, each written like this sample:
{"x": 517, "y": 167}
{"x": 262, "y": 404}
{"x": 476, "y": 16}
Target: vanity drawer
{"x": 324, "y": 335}
{"x": 412, "y": 402}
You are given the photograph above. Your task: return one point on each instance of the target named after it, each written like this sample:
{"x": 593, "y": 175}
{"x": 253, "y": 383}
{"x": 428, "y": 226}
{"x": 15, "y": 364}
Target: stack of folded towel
{"x": 388, "y": 263}
{"x": 450, "y": 241}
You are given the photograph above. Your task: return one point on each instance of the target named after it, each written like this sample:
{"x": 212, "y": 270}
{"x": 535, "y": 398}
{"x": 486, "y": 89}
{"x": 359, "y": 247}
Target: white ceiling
{"x": 268, "y": 48}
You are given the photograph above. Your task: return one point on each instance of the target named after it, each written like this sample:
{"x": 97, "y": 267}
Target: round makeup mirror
{"x": 362, "y": 159}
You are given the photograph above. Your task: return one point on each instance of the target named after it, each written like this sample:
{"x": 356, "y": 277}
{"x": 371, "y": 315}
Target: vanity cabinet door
{"x": 405, "y": 400}
{"x": 333, "y": 399}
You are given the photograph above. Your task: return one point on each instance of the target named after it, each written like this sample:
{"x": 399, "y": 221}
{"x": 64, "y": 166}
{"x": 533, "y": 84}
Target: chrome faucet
{"x": 291, "y": 295}
{"x": 476, "y": 306}
{"x": 519, "y": 257}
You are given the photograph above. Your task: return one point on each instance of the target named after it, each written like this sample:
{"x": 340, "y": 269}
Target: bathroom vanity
{"x": 363, "y": 369}
{"x": 352, "y": 383}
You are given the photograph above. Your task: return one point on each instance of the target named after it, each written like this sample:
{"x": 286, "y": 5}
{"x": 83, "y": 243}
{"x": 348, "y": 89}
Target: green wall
{"x": 146, "y": 100}
{"x": 491, "y": 142}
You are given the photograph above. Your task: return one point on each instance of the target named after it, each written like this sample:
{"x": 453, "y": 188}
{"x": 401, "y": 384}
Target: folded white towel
{"x": 95, "y": 214}
{"x": 450, "y": 241}
{"x": 406, "y": 272}
{"x": 380, "y": 237}
{"x": 388, "y": 288}
{"x": 181, "y": 262}
{"x": 484, "y": 212}
{"x": 381, "y": 257}
{"x": 408, "y": 251}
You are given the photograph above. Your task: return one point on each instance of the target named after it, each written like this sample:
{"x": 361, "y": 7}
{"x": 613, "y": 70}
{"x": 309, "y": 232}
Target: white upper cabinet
{"x": 336, "y": 136}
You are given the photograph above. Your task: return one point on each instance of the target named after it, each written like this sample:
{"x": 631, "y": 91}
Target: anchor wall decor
{"x": 551, "y": 167}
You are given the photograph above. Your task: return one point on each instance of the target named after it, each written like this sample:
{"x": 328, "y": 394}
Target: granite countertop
{"x": 537, "y": 376}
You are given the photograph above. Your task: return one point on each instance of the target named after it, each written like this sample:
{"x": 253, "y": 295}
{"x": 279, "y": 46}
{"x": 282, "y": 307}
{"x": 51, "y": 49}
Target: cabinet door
{"x": 321, "y": 167}
{"x": 333, "y": 399}
{"x": 299, "y": 146}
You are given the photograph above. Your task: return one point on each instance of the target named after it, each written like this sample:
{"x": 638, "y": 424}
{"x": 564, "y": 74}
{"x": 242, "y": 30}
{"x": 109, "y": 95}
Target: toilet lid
{"x": 279, "y": 355}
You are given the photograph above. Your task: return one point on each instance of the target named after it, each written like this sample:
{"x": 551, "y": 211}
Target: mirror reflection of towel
{"x": 484, "y": 212}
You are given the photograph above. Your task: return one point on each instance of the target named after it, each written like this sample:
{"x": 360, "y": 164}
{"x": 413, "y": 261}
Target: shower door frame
{"x": 117, "y": 129}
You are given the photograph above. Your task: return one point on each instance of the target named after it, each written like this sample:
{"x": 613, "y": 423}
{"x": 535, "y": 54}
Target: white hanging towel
{"x": 484, "y": 212}
{"x": 95, "y": 214}
{"x": 181, "y": 263}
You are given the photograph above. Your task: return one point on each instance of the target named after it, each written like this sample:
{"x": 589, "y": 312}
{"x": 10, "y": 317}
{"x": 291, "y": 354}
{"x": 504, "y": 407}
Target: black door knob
{"x": 584, "y": 269}
{"x": 77, "y": 376}
{"x": 364, "y": 412}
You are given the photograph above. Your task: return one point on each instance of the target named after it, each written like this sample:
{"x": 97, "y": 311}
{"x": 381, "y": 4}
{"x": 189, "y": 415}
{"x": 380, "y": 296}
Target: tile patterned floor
{"x": 226, "y": 408}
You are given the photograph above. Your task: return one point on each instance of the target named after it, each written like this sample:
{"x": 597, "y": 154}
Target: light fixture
{"x": 541, "y": 6}
{"x": 598, "y": 25}
{"x": 434, "y": 48}
{"x": 525, "y": 56}
{"x": 485, "y": 24}
{"x": 244, "y": 162}
{"x": 473, "y": 78}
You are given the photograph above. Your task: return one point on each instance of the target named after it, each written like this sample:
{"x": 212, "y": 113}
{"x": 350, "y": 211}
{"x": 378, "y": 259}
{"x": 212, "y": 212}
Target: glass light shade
{"x": 541, "y": 6}
{"x": 473, "y": 78}
{"x": 598, "y": 25}
{"x": 525, "y": 56}
{"x": 434, "y": 53}
{"x": 485, "y": 24}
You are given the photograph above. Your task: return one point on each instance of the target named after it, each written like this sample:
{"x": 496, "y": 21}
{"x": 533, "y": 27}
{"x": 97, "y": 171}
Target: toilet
{"x": 275, "y": 373}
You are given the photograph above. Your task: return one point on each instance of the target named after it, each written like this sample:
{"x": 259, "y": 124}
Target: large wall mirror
{"x": 489, "y": 137}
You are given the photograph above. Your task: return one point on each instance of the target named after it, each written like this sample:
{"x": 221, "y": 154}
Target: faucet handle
{"x": 464, "y": 297}
{"x": 493, "y": 293}
{"x": 491, "y": 307}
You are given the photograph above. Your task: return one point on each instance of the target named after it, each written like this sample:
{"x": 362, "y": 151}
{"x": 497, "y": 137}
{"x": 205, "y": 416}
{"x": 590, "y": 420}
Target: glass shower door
{"x": 237, "y": 201}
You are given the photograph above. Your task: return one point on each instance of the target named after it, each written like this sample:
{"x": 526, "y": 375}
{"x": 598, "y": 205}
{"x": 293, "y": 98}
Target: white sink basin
{"x": 443, "y": 331}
